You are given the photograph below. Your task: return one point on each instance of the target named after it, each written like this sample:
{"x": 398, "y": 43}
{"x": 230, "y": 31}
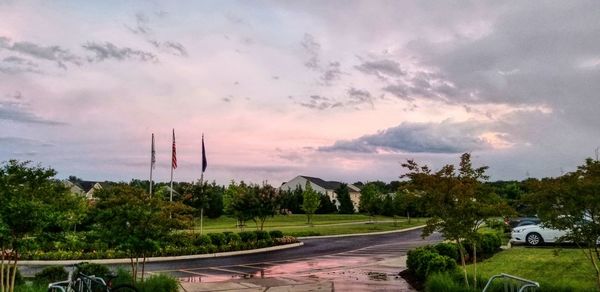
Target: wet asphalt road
{"x": 313, "y": 248}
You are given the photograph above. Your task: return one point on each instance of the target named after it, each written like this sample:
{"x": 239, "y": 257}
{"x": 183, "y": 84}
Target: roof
{"x": 328, "y": 185}
{"x": 86, "y": 186}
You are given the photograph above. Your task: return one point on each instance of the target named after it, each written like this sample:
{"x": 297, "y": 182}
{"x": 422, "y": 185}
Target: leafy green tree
{"x": 291, "y": 200}
{"x": 326, "y": 206}
{"x": 455, "y": 202}
{"x": 266, "y": 204}
{"x": 30, "y": 200}
{"x": 388, "y": 207}
{"x": 131, "y": 220}
{"x": 240, "y": 201}
{"x": 572, "y": 202}
{"x": 343, "y": 197}
{"x": 310, "y": 203}
{"x": 370, "y": 200}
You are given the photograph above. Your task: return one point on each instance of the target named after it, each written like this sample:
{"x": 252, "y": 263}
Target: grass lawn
{"x": 550, "y": 266}
{"x": 323, "y": 224}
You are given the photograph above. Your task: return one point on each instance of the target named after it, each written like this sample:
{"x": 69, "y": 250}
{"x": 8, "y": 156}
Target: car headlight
{"x": 517, "y": 230}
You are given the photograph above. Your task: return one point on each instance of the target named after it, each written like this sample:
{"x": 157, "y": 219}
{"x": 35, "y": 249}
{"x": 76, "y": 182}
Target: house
{"x": 83, "y": 188}
{"x": 324, "y": 187}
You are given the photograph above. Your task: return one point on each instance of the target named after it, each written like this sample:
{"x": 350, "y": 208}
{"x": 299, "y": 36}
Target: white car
{"x": 535, "y": 234}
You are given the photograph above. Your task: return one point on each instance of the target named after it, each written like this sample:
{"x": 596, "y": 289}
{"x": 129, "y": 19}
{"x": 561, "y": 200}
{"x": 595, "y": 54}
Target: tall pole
{"x": 173, "y": 163}
{"x": 152, "y": 161}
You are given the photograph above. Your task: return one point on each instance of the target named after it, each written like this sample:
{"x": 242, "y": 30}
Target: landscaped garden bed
{"x": 181, "y": 243}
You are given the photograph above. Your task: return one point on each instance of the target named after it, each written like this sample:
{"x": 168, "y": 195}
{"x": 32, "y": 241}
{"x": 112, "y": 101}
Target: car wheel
{"x": 534, "y": 239}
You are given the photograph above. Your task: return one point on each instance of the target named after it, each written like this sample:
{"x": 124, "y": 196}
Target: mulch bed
{"x": 412, "y": 280}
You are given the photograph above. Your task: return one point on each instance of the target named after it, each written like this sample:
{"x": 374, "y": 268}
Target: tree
{"x": 370, "y": 200}
{"x": 343, "y": 197}
{"x": 135, "y": 222}
{"x": 572, "y": 202}
{"x": 291, "y": 200}
{"x": 30, "y": 200}
{"x": 326, "y": 206}
{"x": 310, "y": 202}
{"x": 266, "y": 204}
{"x": 238, "y": 202}
{"x": 388, "y": 208}
{"x": 454, "y": 200}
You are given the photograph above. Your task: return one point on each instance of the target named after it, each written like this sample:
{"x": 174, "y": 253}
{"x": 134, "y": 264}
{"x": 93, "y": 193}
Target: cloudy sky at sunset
{"x": 342, "y": 90}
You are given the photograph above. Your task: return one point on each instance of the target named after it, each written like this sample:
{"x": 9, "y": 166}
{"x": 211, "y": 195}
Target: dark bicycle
{"x": 79, "y": 282}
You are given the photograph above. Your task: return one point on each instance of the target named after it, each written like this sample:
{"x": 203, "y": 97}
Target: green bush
{"x": 248, "y": 236}
{"x": 181, "y": 239}
{"x": 448, "y": 249}
{"x": 202, "y": 240}
{"x": 51, "y": 274}
{"x": 275, "y": 234}
{"x": 94, "y": 269}
{"x": 490, "y": 243}
{"x": 424, "y": 261}
{"x": 262, "y": 235}
{"x": 217, "y": 239}
{"x": 233, "y": 238}
{"x": 160, "y": 282}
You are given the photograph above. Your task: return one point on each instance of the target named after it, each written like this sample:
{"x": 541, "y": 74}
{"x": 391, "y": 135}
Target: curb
{"x": 362, "y": 234}
{"x": 163, "y": 259}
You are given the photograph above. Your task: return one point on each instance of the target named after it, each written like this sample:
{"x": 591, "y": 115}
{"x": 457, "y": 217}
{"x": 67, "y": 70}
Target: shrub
{"x": 51, "y": 274}
{"x": 248, "y": 236}
{"x": 94, "y": 269}
{"x": 275, "y": 234}
{"x": 285, "y": 240}
{"x": 202, "y": 240}
{"x": 490, "y": 243}
{"x": 448, "y": 249}
{"x": 424, "y": 261}
{"x": 160, "y": 282}
{"x": 262, "y": 235}
{"x": 181, "y": 239}
{"x": 217, "y": 239}
{"x": 233, "y": 238}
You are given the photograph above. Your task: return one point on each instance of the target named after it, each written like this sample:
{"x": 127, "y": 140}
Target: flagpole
{"x": 151, "y": 162}
{"x": 172, "y": 156}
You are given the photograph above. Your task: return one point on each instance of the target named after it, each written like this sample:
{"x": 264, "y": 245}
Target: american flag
{"x": 153, "y": 153}
{"x": 174, "y": 157}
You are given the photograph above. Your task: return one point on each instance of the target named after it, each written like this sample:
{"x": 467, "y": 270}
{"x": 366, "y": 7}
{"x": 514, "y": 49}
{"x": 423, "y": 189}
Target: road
{"x": 320, "y": 252}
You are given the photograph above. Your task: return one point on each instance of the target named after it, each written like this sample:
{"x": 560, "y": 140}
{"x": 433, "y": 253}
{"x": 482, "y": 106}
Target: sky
{"x": 342, "y": 90}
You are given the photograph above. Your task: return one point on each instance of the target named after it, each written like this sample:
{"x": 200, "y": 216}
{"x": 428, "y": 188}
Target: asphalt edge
{"x": 163, "y": 259}
{"x": 362, "y": 234}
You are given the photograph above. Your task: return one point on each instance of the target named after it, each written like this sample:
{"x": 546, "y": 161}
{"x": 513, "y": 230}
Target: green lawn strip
{"x": 566, "y": 268}
{"x": 291, "y": 220}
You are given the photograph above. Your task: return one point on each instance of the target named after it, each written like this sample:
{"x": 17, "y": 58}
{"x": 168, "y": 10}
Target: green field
{"x": 551, "y": 267}
{"x": 323, "y": 224}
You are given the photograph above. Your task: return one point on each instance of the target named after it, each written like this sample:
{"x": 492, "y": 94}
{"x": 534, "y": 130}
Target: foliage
{"x": 262, "y": 235}
{"x": 424, "y": 261}
{"x": 370, "y": 200}
{"x": 276, "y": 234}
{"x": 310, "y": 201}
{"x": 291, "y": 200}
{"x": 51, "y": 274}
{"x": 248, "y": 236}
{"x": 208, "y": 197}
{"x": 448, "y": 249}
{"x": 455, "y": 201}
{"x": 266, "y": 204}
{"x": 30, "y": 201}
{"x": 343, "y": 198}
{"x": 327, "y": 206}
{"x": 443, "y": 282}
{"x": 572, "y": 202}
{"x": 159, "y": 282}
{"x": 252, "y": 202}
{"x": 135, "y": 222}
{"x": 217, "y": 238}
{"x": 94, "y": 269}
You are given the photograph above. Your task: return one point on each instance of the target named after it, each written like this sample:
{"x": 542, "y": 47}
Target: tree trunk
{"x": 475, "y": 265}
{"x": 595, "y": 263}
{"x": 143, "y": 266}
{"x": 2, "y": 270}
{"x": 462, "y": 261}
{"x": 14, "y": 271}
